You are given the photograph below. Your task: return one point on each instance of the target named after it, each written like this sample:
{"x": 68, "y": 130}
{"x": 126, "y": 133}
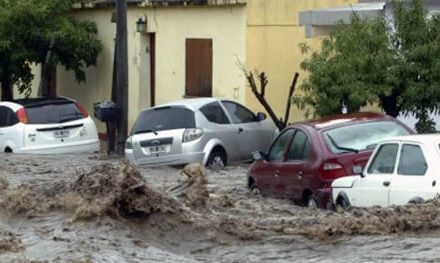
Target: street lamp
{"x": 141, "y": 25}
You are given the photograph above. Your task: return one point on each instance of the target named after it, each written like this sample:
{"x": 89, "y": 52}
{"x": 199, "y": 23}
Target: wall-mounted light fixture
{"x": 141, "y": 25}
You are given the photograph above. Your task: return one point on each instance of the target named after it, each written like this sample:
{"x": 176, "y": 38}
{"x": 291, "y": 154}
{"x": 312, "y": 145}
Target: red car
{"x": 306, "y": 157}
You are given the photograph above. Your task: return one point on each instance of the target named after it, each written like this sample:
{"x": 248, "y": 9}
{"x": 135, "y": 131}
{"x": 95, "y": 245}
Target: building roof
{"x": 317, "y": 21}
{"x": 321, "y": 21}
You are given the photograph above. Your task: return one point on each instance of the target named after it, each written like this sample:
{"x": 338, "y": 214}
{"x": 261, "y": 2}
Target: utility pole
{"x": 121, "y": 73}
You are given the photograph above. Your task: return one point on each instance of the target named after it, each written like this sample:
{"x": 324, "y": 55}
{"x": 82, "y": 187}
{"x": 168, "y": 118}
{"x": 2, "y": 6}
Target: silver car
{"x": 210, "y": 131}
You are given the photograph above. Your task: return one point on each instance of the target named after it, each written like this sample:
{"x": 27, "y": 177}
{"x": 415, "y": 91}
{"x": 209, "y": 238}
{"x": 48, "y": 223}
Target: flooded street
{"x": 96, "y": 209}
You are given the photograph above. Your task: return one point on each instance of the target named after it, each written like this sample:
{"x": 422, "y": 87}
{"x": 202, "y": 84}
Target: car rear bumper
{"x": 174, "y": 159}
{"x": 90, "y": 146}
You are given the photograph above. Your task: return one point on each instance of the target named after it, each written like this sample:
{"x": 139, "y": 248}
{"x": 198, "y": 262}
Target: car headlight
{"x": 129, "y": 143}
{"x": 192, "y": 134}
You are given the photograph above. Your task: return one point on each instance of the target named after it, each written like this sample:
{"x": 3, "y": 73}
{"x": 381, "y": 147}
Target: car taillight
{"x": 331, "y": 171}
{"x": 192, "y": 134}
{"x": 21, "y": 115}
{"x": 82, "y": 110}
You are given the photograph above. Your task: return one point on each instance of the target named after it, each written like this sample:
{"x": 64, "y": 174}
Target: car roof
{"x": 417, "y": 138}
{"x": 337, "y": 120}
{"x": 192, "y": 103}
{"x": 31, "y": 102}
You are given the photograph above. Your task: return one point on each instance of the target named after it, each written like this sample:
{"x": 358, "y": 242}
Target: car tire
{"x": 8, "y": 150}
{"x": 342, "y": 202}
{"x": 253, "y": 189}
{"x": 216, "y": 160}
{"x": 311, "y": 202}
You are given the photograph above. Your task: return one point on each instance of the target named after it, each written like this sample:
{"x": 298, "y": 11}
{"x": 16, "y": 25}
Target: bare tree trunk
{"x": 47, "y": 87}
{"x": 6, "y": 85}
{"x": 260, "y": 96}
{"x": 46, "y": 72}
{"x": 289, "y": 99}
{"x": 389, "y": 105}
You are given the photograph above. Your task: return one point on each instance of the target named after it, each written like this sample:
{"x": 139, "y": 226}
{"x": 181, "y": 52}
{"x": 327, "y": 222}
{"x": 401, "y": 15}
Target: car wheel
{"x": 311, "y": 202}
{"x": 8, "y": 150}
{"x": 216, "y": 160}
{"x": 253, "y": 189}
{"x": 343, "y": 202}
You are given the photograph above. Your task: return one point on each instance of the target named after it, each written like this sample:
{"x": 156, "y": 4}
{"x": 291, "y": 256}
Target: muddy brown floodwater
{"x": 71, "y": 208}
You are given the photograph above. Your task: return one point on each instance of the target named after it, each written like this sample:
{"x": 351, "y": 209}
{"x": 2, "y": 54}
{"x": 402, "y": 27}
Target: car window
{"x": 7, "y": 117}
{"x": 3, "y": 116}
{"x": 385, "y": 159}
{"x": 412, "y": 161}
{"x": 361, "y": 136}
{"x": 214, "y": 113}
{"x": 238, "y": 113}
{"x": 53, "y": 113}
{"x": 164, "y": 118}
{"x": 299, "y": 150}
{"x": 276, "y": 152}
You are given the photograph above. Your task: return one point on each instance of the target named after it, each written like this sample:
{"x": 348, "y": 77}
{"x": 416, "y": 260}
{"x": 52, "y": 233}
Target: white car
{"x": 210, "y": 131}
{"x": 401, "y": 170}
{"x": 46, "y": 126}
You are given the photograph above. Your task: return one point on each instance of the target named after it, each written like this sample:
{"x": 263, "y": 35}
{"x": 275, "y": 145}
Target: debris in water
{"x": 193, "y": 191}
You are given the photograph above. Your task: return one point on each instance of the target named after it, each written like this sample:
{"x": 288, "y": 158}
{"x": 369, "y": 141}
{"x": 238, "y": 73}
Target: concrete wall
{"x": 273, "y": 36}
{"x": 225, "y": 25}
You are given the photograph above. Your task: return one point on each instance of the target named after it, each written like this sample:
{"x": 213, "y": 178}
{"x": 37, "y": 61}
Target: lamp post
{"x": 121, "y": 73}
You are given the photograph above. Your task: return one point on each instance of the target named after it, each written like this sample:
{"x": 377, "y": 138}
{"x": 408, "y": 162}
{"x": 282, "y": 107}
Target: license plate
{"x": 158, "y": 148}
{"x": 61, "y": 133}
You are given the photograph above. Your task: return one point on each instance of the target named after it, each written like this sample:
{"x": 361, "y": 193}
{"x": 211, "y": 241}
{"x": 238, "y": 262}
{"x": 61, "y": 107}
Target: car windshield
{"x": 165, "y": 118}
{"x": 361, "y": 136}
{"x": 57, "y": 112}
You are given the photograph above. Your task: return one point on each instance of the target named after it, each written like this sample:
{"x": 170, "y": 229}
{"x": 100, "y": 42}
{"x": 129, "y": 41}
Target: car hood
{"x": 345, "y": 182}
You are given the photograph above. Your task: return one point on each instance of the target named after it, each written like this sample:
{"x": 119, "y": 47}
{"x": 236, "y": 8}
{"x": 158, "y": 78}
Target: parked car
{"x": 306, "y": 157}
{"x": 46, "y": 125}
{"x": 213, "y": 132}
{"x": 400, "y": 171}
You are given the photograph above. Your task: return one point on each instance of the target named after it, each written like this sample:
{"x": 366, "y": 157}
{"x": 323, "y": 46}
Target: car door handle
{"x": 299, "y": 175}
{"x": 277, "y": 173}
{"x": 240, "y": 130}
{"x": 386, "y": 183}
{"x": 434, "y": 183}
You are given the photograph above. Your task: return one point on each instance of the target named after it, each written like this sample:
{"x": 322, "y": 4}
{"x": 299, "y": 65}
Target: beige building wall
{"x": 225, "y": 25}
{"x": 273, "y": 36}
{"x": 98, "y": 78}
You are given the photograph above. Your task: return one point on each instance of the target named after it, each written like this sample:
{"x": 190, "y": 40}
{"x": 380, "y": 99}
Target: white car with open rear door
{"x": 400, "y": 171}
{"x": 46, "y": 126}
{"x": 209, "y": 131}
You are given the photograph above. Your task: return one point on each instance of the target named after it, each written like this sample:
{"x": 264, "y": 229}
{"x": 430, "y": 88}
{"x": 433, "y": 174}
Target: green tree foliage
{"x": 393, "y": 63}
{"x": 348, "y": 68}
{"x": 29, "y": 29}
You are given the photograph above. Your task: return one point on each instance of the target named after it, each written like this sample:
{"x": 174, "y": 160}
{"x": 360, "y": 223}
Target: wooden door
{"x": 198, "y": 68}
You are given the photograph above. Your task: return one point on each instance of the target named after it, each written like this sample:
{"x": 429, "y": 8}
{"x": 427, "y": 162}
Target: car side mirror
{"x": 258, "y": 155}
{"x": 261, "y": 116}
{"x": 358, "y": 170}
